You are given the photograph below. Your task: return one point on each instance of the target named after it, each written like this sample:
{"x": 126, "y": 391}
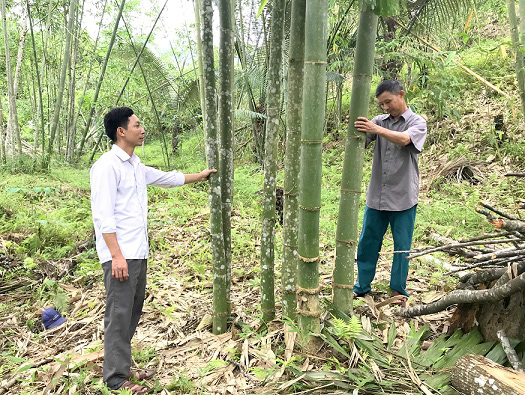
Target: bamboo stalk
{"x": 347, "y": 221}
{"x": 197, "y": 7}
{"x": 270, "y": 160}
{"x": 292, "y": 156}
{"x": 60, "y": 93}
{"x": 314, "y": 95}
{"x": 220, "y": 297}
{"x": 226, "y": 128}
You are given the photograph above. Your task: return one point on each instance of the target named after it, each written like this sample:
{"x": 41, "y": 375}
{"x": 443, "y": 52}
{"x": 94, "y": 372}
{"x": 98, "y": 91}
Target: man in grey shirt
{"x": 394, "y": 185}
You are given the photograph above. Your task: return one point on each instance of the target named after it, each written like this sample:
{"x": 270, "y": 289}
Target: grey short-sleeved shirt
{"x": 394, "y": 183}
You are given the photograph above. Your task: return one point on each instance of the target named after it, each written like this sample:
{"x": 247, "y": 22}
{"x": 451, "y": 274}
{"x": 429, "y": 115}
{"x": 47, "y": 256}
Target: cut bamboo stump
{"x": 474, "y": 374}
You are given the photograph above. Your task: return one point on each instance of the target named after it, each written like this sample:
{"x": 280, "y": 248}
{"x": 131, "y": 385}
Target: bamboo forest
{"x": 262, "y": 197}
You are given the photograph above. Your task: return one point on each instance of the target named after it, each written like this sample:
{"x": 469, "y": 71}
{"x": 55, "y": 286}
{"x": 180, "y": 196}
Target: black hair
{"x": 392, "y": 86}
{"x": 117, "y": 117}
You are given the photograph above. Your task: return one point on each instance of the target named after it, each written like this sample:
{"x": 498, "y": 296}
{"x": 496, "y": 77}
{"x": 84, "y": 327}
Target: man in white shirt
{"x": 119, "y": 207}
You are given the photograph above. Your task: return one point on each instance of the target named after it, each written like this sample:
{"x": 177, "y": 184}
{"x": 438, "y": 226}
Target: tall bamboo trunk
{"x": 270, "y": 160}
{"x": 514, "y": 33}
{"x": 61, "y": 84}
{"x": 71, "y": 134}
{"x": 314, "y": 95}
{"x": 197, "y": 7}
{"x": 18, "y": 68}
{"x": 12, "y": 122}
{"x": 292, "y": 156}
{"x": 40, "y": 107}
{"x": 522, "y": 27}
{"x": 87, "y": 81}
{"x": 346, "y": 236}
{"x": 226, "y": 127}
{"x": 221, "y": 307}
{"x": 100, "y": 79}
{"x": 2, "y": 135}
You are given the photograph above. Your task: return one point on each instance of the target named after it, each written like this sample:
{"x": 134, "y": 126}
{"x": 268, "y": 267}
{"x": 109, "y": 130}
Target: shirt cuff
{"x": 179, "y": 177}
{"x": 108, "y": 225}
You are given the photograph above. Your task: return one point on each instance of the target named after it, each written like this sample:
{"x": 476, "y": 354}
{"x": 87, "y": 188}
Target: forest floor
{"x": 47, "y": 259}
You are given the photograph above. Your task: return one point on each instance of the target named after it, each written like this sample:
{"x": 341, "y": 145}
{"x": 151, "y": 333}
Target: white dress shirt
{"x": 119, "y": 201}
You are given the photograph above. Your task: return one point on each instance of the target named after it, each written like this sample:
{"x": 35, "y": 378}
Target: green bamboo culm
{"x": 221, "y": 306}
{"x": 515, "y": 36}
{"x": 292, "y": 156}
{"x": 314, "y": 95}
{"x": 270, "y": 160}
{"x": 62, "y": 81}
{"x": 226, "y": 127}
{"x": 346, "y": 234}
{"x": 197, "y": 8}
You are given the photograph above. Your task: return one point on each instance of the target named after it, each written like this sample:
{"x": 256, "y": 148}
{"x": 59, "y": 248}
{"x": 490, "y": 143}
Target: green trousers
{"x": 375, "y": 224}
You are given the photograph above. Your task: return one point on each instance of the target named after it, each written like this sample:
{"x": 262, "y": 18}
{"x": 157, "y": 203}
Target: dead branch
{"x": 488, "y": 275}
{"x": 460, "y": 244}
{"x": 509, "y": 351}
{"x": 505, "y": 253}
{"x": 496, "y": 211}
{"x": 512, "y": 225}
{"x": 492, "y": 262}
{"x": 466, "y": 296}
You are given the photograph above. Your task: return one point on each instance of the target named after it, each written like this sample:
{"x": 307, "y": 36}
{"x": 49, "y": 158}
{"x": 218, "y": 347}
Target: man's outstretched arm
{"x": 202, "y": 176}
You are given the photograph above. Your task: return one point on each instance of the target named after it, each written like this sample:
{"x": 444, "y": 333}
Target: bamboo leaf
{"x": 261, "y": 8}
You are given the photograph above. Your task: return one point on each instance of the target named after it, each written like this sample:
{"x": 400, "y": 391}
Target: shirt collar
{"x": 122, "y": 155}
{"x": 406, "y": 115}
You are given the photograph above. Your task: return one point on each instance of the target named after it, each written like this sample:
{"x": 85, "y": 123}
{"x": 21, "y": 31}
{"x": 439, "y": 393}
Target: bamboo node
{"x": 223, "y": 314}
{"x": 343, "y": 286}
{"x": 343, "y": 190}
{"x": 310, "y": 291}
{"x": 311, "y": 141}
{"x": 305, "y": 313}
{"x": 314, "y": 62}
{"x": 309, "y": 208}
{"x": 308, "y": 260}
{"x": 349, "y": 242}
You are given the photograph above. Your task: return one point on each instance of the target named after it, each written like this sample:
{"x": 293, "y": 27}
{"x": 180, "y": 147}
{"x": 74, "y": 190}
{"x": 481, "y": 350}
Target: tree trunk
{"x": 61, "y": 84}
{"x": 314, "y": 95}
{"x": 18, "y": 67}
{"x": 347, "y": 233}
{"x": 477, "y": 375}
{"x": 226, "y": 126}
{"x": 514, "y": 33}
{"x": 292, "y": 156}
{"x": 221, "y": 306}
{"x": 270, "y": 160}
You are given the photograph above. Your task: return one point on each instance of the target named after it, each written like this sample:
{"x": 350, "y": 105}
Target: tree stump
{"x": 474, "y": 374}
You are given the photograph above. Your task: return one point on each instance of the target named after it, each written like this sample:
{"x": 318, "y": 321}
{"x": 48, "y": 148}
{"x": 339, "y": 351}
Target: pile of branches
{"x": 497, "y": 258}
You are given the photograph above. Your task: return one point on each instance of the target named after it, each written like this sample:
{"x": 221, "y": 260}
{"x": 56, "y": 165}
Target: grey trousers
{"x": 124, "y": 301}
